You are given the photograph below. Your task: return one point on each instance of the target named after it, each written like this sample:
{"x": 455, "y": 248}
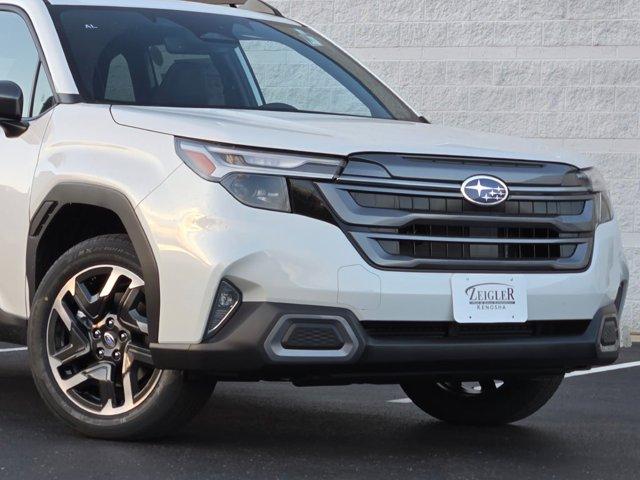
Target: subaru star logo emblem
{"x": 485, "y": 190}
{"x": 109, "y": 340}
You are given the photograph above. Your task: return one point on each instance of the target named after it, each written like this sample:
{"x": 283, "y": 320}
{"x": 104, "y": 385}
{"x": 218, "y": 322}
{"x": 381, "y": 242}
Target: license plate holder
{"x": 479, "y": 298}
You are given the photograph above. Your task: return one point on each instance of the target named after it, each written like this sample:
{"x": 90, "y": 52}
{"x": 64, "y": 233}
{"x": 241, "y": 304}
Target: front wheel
{"x": 89, "y": 347}
{"x": 484, "y": 402}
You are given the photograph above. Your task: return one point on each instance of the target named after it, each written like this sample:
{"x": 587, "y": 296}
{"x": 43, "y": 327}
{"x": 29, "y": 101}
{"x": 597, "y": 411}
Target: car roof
{"x": 190, "y": 6}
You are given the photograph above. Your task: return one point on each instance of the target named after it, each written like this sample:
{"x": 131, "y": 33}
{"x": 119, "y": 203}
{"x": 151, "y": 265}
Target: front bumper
{"x": 252, "y": 346}
{"x": 201, "y": 235}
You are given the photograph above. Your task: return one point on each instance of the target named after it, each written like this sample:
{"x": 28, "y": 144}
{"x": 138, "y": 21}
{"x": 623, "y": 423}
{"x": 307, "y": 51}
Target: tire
{"x": 88, "y": 348}
{"x": 483, "y": 403}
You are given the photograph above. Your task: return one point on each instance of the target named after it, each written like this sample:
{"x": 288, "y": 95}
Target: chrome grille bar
{"x": 452, "y": 186}
{"x": 479, "y": 241}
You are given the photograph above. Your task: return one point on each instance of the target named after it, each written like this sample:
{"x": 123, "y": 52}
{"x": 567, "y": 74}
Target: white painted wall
{"x": 567, "y": 71}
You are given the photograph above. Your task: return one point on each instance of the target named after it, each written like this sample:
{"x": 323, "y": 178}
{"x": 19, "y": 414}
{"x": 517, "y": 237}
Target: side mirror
{"x": 11, "y": 105}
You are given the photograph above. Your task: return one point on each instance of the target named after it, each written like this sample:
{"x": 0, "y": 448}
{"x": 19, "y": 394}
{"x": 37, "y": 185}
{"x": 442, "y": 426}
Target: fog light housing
{"x": 610, "y": 334}
{"x": 228, "y": 299}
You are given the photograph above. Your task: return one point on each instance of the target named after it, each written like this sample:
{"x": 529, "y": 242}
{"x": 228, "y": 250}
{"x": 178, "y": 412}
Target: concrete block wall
{"x": 564, "y": 71}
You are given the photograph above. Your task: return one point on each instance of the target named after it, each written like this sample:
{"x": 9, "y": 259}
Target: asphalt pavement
{"x": 590, "y": 430}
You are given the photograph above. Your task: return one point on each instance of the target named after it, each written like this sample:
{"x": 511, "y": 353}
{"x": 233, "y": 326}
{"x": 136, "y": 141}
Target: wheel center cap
{"x": 109, "y": 340}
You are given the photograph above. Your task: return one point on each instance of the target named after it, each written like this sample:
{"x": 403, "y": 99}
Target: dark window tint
{"x": 18, "y": 55}
{"x": 43, "y": 98}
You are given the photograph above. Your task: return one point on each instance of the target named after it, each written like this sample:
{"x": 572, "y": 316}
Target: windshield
{"x": 201, "y": 60}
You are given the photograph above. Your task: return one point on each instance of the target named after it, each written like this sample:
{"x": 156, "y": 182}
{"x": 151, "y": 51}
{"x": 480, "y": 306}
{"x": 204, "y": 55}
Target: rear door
{"x": 20, "y": 62}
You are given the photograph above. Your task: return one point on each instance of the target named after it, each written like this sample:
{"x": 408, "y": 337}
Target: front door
{"x": 20, "y": 63}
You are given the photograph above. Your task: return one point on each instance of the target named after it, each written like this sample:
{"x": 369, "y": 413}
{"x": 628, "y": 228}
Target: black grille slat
{"x": 430, "y": 230}
{"x": 485, "y": 251}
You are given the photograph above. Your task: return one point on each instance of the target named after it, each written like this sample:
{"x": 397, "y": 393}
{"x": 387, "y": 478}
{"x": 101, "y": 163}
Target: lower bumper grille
{"x": 313, "y": 337}
{"x": 419, "y": 330}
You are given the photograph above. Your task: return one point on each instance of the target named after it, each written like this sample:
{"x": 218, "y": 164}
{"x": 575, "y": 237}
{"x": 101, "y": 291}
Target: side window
{"x": 18, "y": 55}
{"x": 119, "y": 86}
{"x": 287, "y": 77}
{"x": 43, "y": 99}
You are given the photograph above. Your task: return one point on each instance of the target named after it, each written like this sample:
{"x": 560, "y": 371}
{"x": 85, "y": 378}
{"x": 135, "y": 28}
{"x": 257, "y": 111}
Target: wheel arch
{"x": 111, "y": 200}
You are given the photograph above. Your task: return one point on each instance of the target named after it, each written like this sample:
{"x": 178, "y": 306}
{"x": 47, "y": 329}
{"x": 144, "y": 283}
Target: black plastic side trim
{"x": 13, "y": 329}
{"x": 69, "y": 98}
{"x": 110, "y": 199}
{"x": 621, "y": 297}
{"x": 42, "y": 217}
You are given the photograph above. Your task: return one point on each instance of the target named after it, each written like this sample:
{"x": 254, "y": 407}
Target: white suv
{"x": 193, "y": 193}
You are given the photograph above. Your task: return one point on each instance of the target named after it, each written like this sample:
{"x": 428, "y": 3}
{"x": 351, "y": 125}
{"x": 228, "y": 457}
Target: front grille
{"x": 435, "y": 204}
{"x": 423, "y": 222}
{"x": 423, "y": 330}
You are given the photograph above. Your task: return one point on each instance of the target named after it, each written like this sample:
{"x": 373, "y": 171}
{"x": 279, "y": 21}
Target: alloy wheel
{"x": 97, "y": 341}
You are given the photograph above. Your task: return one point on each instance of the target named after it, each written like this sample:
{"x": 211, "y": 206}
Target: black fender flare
{"x": 115, "y": 201}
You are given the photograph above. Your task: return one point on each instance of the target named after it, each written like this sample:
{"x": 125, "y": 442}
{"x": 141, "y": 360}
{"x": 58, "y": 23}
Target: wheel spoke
{"x": 128, "y": 311}
{"x": 107, "y": 393}
{"x": 64, "y": 313}
{"x": 129, "y": 383}
{"x": 74, "y": 381}
{"x": 91, "y": 305}
{"x": 133, "y": 355}
{"x": 101, "y": 372}
{"x": 140, "y": 355}
{"x": 77, "y": 347}
{"x": 109, "y": 285}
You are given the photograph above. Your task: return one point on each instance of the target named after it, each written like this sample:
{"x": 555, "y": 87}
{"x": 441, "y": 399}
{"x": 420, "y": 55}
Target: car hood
{"x": 334, "y": 135}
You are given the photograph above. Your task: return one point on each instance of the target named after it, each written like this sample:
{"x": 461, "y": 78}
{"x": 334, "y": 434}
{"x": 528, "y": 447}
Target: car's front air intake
{"x": 408, "y": 212}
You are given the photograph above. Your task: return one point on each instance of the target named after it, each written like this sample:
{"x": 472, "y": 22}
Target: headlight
{"x": 598, "y": 185}
{"x": 259, "y": 191}
{"x": 255, "y": 178}
{"x": 213, "y": 162}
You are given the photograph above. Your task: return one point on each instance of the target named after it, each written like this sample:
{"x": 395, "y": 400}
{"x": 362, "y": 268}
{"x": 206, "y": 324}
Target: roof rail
{"x": 253, "y": 5}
